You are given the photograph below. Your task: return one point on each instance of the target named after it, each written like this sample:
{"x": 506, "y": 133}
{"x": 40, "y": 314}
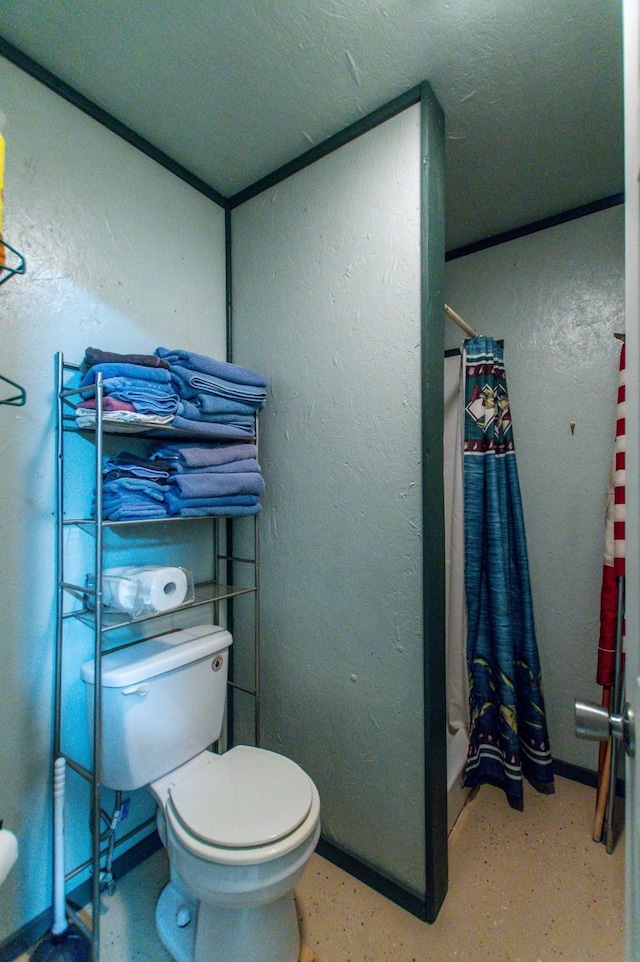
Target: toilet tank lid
{"x": 147, "y": 659}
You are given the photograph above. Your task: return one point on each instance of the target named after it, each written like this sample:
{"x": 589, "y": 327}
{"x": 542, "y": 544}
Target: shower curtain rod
{"x": 451, "y": 314}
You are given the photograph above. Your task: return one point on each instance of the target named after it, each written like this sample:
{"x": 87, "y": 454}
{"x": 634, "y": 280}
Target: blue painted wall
{"x": 120, "y": 255}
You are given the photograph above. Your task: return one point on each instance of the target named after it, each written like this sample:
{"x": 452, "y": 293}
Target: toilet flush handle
{"x": 141, "y": 690}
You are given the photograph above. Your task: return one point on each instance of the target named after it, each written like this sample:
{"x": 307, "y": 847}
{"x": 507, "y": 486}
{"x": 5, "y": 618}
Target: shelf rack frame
{"x": 208, "y": 593}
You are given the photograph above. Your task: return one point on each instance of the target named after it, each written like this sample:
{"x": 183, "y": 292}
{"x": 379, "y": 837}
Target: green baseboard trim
{"x": 373, "y": 879}
{"x": 34, "y": 930}
{"x": 585, "y": 776}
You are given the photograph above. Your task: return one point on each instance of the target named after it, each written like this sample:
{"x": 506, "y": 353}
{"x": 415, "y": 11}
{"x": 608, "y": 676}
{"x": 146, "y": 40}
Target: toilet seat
{"x": 249, "y": 804}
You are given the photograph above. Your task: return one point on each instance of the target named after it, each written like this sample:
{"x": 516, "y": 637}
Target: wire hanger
{"x": 17, "y": 400}
{"x": 5, "y": 271}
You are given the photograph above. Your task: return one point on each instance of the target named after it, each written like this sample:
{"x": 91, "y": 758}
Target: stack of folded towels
{"x": 172, "y": 388}
{"x": 211, "y": 479}
{"x": 183, "y": 480}
{"x": 196, "y": 396}
{"x": 137, "y": 390}
{"x": 215, "y": 398}
{"x": 134, "y": 488}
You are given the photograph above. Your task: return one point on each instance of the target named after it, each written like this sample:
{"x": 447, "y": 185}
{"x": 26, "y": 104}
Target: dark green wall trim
{"x": 228, "y": 244}
{"x": 575, "y": 772}
{"x": 368, "y": 876}
{"x": 362, "y": 126}
{"x": 432, "y": 322}
{"x": 228, "y": 281}
{"x": 26, "y": 937}
{"x": 583, "y": 775}
{"x": 23, "y": 940}
{"x": 613, "y": 201}
{"x": 87, "y": 106}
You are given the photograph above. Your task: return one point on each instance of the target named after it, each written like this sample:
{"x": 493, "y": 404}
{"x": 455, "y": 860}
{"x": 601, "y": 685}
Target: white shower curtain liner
{"x": 456, "y": 610}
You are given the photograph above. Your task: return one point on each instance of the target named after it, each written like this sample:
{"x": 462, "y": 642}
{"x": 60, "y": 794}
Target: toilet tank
{"x": 163, "y": 703}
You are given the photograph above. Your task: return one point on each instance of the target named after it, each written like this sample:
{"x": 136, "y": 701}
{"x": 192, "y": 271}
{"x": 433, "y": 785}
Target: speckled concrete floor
{"x": 523, "y": 887}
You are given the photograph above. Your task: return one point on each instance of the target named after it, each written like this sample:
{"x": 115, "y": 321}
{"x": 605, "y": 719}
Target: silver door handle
{"x": 598, "y": 723}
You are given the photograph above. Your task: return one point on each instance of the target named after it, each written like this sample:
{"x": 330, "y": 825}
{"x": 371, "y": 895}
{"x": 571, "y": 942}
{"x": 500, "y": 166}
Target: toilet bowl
{"x": 238, "y": 827}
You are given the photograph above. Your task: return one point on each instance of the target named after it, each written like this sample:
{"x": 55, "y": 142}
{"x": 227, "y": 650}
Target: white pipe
{"x": 59, "y": 900}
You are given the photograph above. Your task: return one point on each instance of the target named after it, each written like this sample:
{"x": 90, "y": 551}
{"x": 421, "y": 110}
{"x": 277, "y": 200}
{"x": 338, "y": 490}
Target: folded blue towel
{"x": 199, "y": 485}
{"x": 249, "y": 465}
{"x": 146, "y": 397}
{"x": 242, "y": 422}
{"x": 141, "y": 508}
{"x": 137, "y": 486}
{"x": 239, "y": 420}
{"x": 207, "y": 429}
{"x": 230, "y": 511}
{"x": 127, "y": 458}
{"x": 209, "y": 365}
{"x": 134, "y": 512}
{"x": 158, "y": 375}
{"x": 133, "y": 471}
{"x": 120, "y": 500}
{"x": 132, "y": 497}
{"x": 174, "y": 500}
{"x": 217, "y": 385}
{"x": 211, "y": 407}
{"x": 115, "y": 385}
{"x": 117, "y": 504}
{"x": 204, "y": 455}
{"x": 176, "y": 504}
{"x": 120, "y": 468}
{"x": 189, "y": 384}
{"x": 93, "y": 355}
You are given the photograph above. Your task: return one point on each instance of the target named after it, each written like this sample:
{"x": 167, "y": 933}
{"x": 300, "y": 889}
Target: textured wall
{"x": 120, "y": 255}
{"x": 326, "y": 303}
{"x": 556, "y": 297}
{"x": 531, "y": 91}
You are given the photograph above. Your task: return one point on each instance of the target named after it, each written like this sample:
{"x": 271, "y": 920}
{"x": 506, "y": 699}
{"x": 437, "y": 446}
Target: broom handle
{"x": 602, "y": 796}
{"x": 602, "y": 747}
{"x": 617, "y": 699}
{"x": 606, "y": 790}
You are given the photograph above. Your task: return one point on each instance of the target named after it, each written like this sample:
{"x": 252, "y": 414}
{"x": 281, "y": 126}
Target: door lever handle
{"x": 598, "y": 723}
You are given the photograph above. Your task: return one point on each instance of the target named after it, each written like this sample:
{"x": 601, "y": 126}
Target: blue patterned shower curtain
{"x": 508, "y": 729}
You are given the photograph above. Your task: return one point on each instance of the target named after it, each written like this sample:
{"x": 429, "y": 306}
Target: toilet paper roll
{"x": 163, "y": 588}
{"x": 120, "y": 593}
{"x": 8, "y": 852}
{"x": 153, "y": 588}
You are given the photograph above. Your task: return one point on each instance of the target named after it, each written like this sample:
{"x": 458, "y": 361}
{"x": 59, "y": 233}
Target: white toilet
{"x": 239, "y": 827}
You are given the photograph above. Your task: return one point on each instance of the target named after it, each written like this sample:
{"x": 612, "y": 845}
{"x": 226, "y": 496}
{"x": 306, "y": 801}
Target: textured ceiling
{"x": 233, "y": 89}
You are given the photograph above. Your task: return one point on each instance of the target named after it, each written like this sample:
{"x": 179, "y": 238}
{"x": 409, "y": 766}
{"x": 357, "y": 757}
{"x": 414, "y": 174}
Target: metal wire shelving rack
{"x": 76, "y": 602}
